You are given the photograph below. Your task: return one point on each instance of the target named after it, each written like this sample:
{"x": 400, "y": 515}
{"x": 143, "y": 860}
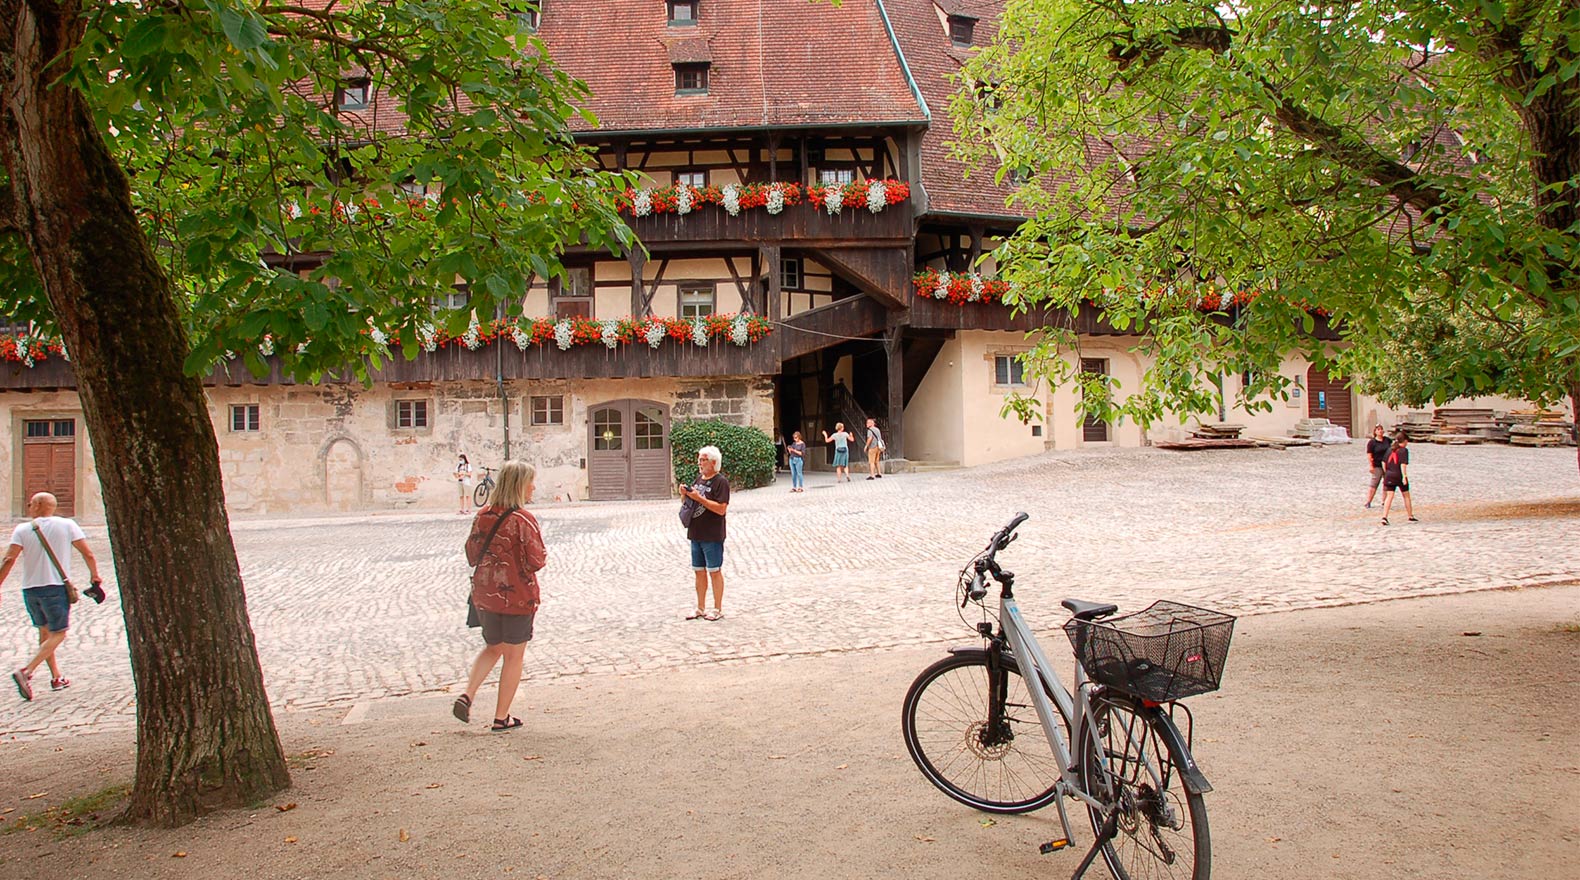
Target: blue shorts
{"x": 842, "y": 457}
{"x": 707, "y": 555}
{"x": 48, "y": 607}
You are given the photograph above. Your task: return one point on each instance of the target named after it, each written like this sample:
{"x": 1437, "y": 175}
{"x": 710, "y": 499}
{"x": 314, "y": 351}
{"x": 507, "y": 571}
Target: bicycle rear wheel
{"x": 1005, "y": 766}
{"x": 480, "y": 494}
{"x": 1162, "y": 828}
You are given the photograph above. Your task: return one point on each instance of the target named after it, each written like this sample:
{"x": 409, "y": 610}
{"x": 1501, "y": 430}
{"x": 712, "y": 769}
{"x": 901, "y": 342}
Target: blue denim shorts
{"x": 48, "y": 607}
{"x": 707, "y": 555}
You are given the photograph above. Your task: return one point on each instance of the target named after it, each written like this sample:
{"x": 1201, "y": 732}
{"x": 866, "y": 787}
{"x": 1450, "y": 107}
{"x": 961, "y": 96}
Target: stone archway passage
{"x": 628, "y": 450}
{"x": 1328, "y": 397}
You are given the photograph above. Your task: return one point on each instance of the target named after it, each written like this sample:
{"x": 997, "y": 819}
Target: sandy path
{"x": 1359, "y": 742}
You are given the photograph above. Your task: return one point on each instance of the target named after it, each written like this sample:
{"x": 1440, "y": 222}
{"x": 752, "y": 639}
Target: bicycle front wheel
{"x": 978, "y": 740}
{"x": 1161, "y": 827}
{"x": 480, "y": 494}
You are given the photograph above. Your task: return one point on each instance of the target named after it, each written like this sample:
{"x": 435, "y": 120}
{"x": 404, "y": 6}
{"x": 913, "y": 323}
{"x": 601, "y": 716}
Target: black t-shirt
{"x": 1393, "y": 468}
{"x": 705, "y": 524}
{"x": 1378, "y": 450}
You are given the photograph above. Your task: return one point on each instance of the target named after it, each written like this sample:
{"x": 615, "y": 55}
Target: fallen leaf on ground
{"x": 436, "y": 785}
{"x": 420, "y": 742}
{"x": 7, "y": 810}
{"x": 1471, "y": 633}
{"x": 777, "y": 757}
{"x": 180, "y": 854}
{"x": 842, "y": 766}
{"x": 532, "y": 758}
{"x": 34, "y": 797}
{"x": 290, "y": 840}
{"x": 285, "y": 808}
{"x": 1274, "y": 839}
{"x": 987, "y": 823}
{"x": 925, "y": 839}
{"x": 404, "y": 835}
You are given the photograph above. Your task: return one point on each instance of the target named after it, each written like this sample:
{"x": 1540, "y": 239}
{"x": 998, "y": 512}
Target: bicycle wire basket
{"x": 1168, "y": 651}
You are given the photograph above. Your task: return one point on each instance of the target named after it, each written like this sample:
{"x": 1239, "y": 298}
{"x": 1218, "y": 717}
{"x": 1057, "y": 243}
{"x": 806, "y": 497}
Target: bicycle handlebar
{"x": 977, "y": 589}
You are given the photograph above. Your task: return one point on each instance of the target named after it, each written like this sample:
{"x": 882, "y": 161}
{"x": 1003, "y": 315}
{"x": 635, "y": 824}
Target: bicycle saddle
{"x": 1089, "y": 610}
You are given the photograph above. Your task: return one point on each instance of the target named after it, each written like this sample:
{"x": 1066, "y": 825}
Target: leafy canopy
{"x": 1406, "y": 168}
{"x": 275, "y": 212}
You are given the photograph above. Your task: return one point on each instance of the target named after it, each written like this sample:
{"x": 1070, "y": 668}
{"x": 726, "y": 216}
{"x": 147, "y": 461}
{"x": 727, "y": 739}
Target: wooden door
{"x": 628, "y": 450}
{"x": 49, "y": 461}
{"x": 1093, "y": 429}
{"x": 1328, "y": 398}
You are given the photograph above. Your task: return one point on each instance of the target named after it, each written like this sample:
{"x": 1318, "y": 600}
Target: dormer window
{"x": 691, "y": 79}
{"x": 353, "y": 94}
{"x": 962, "y": 28}
{"x": 682, "y": 13}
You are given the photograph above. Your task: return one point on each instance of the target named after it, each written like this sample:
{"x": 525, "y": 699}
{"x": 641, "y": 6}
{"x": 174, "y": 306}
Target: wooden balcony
{"x": 710, "y": 226}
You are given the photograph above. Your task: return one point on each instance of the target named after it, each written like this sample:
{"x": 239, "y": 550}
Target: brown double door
{"x": 49, "y": 461}
{"x": 1328, "y": 398}
{"x": 628, "y": 450}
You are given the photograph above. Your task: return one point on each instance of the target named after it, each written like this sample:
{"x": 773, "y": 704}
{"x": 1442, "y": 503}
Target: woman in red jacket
{"x": 506, "y": 548}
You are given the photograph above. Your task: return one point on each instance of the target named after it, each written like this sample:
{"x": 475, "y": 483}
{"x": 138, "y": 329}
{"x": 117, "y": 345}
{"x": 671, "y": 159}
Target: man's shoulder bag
{"x": 472, "y": 619}
{"x": 72, "y": 595}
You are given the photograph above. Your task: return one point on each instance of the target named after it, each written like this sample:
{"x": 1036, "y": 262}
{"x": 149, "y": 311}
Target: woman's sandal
{"x": 509, "y": 722}
{"x": 698, "y": 614}
{"x": 713, "y": 614}
{"x": 462, "y": 709}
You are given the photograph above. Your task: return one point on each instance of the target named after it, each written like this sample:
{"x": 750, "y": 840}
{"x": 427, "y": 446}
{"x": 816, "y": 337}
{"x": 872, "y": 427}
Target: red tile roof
{"x": 773, "y": 63}
{"x": 933, "y": 59}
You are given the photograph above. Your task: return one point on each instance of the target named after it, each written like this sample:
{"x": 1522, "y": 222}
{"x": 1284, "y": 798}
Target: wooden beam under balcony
{"x": 814, "y": 329}
{"x": 883, "y": 273}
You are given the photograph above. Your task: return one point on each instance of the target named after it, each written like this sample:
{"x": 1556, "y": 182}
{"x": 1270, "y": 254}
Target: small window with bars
{"x": 692, "y": 177}
{"x": 790, "y": 277}
{"x": 548, "y": 410}
{"x": 411, "y": 413}
{"x": 244, "y": 418}
{"x": 41, "y": 429}
{"x": 353, "y": 94}
{"x": 840, "y": 176}
{"x": 682, "y": 13}
{"x": 691, "y": 79}
{"x": 1008, "y": 370}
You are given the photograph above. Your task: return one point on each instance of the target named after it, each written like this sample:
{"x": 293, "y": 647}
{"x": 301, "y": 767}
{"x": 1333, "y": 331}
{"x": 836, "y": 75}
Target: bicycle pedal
{"x": 1054, "y": 846}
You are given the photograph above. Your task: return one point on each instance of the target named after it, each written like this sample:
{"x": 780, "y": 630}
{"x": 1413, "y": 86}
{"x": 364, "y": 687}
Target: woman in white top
{"x": 463, "y": 478}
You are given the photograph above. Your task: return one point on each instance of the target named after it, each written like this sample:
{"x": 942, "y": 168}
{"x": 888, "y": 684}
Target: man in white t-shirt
{"x": 44, "y": 585}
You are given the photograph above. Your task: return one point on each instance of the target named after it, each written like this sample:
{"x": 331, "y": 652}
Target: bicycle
{"x": 485, "y": 488}
{"x": 970, "y": 722}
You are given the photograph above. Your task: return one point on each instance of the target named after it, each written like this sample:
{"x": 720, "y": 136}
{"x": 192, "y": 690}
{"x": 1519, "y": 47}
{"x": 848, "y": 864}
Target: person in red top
{"x": 1396, "y": 476}
{"x": 506, "y": 548}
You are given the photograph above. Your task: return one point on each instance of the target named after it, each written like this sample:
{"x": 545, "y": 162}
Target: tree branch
{"x": 8, "y": 212}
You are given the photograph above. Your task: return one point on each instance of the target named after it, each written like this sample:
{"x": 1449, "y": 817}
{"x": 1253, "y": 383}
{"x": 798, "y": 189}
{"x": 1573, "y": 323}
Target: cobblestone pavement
{"x": 360, "y": 608}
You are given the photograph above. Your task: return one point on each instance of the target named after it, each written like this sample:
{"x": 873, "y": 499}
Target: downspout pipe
{"x": 905, "y": 67}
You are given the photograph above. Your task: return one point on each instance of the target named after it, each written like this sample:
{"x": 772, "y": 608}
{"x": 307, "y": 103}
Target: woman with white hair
{"x": 506, "y": 550}
{"x": 709, "y": 500}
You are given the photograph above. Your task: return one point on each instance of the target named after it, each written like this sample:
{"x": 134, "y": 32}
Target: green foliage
{"x": 74, "y": 816}
{"x": 748, "y": 452}
{"x": 1368, "y": 162}
{"x": 224, "y": 116}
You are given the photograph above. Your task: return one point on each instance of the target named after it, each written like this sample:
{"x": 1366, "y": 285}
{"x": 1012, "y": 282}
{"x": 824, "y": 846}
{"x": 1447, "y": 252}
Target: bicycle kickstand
{"x": 1109, "y": 830}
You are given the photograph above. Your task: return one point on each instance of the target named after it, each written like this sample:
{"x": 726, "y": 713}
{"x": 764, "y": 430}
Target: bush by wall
{"x": 748, "y": 452}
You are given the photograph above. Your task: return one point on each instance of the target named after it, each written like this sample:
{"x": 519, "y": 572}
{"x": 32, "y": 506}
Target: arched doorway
{"x": 1328, "y": 398}
{"x": 343, "y": 475}
{"x": 628, "y": 450}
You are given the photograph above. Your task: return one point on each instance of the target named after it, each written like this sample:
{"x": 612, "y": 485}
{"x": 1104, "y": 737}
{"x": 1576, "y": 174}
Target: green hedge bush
{"x": 748, "y": 452}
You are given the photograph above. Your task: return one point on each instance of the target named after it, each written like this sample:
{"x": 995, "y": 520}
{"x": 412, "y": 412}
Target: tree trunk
{"x": 205, "y": 737}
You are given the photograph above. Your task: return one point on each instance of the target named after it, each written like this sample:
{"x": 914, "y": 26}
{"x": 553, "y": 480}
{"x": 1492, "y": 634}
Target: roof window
{"x": 682, "y": 13}
{"x": 962, "y": 28}
{"x": 353, "y": 94}
{"x": 691, "y": 79}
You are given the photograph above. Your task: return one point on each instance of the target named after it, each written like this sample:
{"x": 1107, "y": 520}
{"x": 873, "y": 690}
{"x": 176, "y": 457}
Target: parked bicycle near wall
{"x": 485, "y": 487}
{"x": 971, "y": 722}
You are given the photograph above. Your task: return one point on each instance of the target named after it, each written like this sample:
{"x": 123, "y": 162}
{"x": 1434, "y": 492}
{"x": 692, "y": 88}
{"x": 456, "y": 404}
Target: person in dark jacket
{"x": 1376, "y": 450}
{"x": 506, "y": 548}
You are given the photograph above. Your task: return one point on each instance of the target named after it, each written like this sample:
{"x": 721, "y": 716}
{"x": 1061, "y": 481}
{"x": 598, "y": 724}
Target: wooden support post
{"x": 768, "y": 258}
{"x": 894, "y": 351}
{"x": 773, "y": 157}
{"x": 638, "y": 260}
{"x": 978, "y": 232}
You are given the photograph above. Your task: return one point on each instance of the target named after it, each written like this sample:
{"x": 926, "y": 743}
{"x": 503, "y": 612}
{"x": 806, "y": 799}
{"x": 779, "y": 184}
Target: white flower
{"x": 610, "y": 334}
{"x": 699, "y": 333}
{"x": 738, "y": 331}
{"x": 65, "y": 354}
{"x": 732, "y": 199}
{"x": 941, "y": 289}
{"x": 776, "y": 198}
{"x": 834, "y": 198}
{"x": 877, "y": 196}
{"x": 563, "y": 331}
{"x": 683, "y": 199}
{"x": 473, "y": 337}
{"x": 521, "y": 338}
{"x": 976, "y": 289}
{"x": 301, "y": 348}
{"x": 379, "y": 337}
{"x": 293, "y": 210}
{"x": 655, "y": 333}
{"x": 351, "y": 211}
{"x": 642, "y": 205}
{"x": 428, "y": 337}
{"x": 266, "y": 347}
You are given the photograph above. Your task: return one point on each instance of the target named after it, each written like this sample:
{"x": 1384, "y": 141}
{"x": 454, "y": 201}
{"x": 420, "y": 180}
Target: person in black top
{"x": 710, "y": 495}
{"x": 1396, "y": 475}
{"x": 1376, "y": 450}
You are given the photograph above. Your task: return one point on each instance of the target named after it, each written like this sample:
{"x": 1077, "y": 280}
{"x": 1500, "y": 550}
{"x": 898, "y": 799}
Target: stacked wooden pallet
{"x": 1539, "y": 428}
{"x": 1216, "y": 431}
{"x": 1418, "y": 426}
{"x": 1306, "y": 427}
